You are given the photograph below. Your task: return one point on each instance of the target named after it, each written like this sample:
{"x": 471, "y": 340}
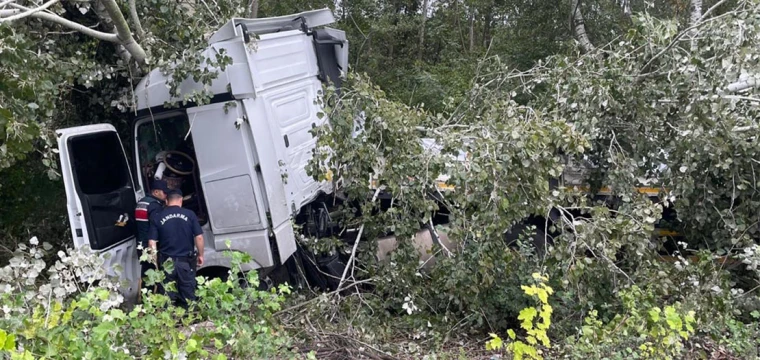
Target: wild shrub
{"x": 73, "y": 310}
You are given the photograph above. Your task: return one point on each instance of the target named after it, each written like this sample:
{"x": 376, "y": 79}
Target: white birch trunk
{"x": 579, "y": 27}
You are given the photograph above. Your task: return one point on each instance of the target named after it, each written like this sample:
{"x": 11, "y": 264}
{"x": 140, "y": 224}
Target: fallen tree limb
{"x": 307, "y": 302}
{"x": 28, "y": 12}
{"x": 70, "y": 24}
{"x": 356, "y": 244}
{"x": 136, "y": 20}
{"x": 123, "y": 35}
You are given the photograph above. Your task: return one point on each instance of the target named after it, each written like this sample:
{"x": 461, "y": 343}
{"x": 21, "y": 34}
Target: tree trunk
{"x": 421, "y": 47}
{"x": 579, "y": 27}
{"x": 487, "y": 20}
{"x": 626, "y": 6}
{"x": 106, "y": 23}
{"x": 696, "y": 12}
{"x": 122, "y": 30}
{"x": 696, "y": 15}
{"x": 459, "y": 24}
{"x": 472, "y": 31}
{"x": 254, "y": 13}
{"x": 113, "y": 21}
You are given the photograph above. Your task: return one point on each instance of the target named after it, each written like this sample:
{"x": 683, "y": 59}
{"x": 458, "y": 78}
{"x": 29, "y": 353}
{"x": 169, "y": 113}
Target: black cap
{"x": 175, "y": 192}
{"x": 160, "y": 185}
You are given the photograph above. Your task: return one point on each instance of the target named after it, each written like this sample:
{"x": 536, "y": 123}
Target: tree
{"x": 254, "y": 9}
{"x": 579, "y": 27}
{"x": 86, "y": 52}
{"x": 423, "y": 16}
{"x": 122, "y": 36}
{"x": 649, "y": 112}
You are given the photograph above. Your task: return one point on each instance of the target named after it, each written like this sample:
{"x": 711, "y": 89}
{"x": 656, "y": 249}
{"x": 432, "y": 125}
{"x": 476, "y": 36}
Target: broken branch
{"x": 356, "y": 244}
{"x": 136, "y": 20}
{"x": 70, "y": 24}
{"x": 123, "y": 32}
{"x": 28, "y": 12}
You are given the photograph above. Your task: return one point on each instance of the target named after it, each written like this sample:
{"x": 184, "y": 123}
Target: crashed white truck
{"x": 240, "y": 160}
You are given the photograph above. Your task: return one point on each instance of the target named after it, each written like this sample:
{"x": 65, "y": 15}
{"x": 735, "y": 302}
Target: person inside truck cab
{"x": 146, "y": 207}
{"x": 176, "y": 233}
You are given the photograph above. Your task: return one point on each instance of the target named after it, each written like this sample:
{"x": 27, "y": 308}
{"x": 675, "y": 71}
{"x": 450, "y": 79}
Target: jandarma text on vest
{"x": 173, "y": 216}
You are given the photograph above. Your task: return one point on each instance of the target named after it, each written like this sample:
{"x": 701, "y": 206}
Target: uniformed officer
{"x": 146, "y": 207}
{"x": 175, "y": 232}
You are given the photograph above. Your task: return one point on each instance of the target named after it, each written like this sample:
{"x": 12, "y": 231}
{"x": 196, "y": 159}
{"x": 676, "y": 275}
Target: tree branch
{"x": 744, "y": 128}
{"x": 736, "y": 97}
{"x": 136, "y": 20}
{"x": 107, "y": 25}
{"x": 742, "y": 84}
{"x": 71, "y": 25}
{"x": 356, "y": 243}
{"x": 123, "y": 32}
{"x": 675, "y": 41}
{"x": 28, "y": 12}
{"x": 711, "y": 9}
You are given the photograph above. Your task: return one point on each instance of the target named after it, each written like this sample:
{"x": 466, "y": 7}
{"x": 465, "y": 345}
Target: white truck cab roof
{"x": 261, "y": 49}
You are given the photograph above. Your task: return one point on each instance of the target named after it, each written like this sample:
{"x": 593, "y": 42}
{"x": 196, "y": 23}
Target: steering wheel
{"x": 178, "y": 166}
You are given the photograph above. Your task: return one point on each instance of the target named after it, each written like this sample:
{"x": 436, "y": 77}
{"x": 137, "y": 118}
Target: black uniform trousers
{"x": 183, "y": 276}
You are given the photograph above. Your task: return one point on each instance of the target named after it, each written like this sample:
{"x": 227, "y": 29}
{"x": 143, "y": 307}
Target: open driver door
{"x": 101, "y": 199}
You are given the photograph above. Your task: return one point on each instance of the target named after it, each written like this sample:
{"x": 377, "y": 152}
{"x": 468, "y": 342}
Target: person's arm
{"x": 199, "y": 244}
{"x": 153, "y": 237}
{"x": 152, "y": 234}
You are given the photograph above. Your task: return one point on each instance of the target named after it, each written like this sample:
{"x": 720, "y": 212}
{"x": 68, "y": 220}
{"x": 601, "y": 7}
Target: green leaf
{"x": 103, "y": 330}
{"x": 527, "y": 315}
{"x": 10, "y": 343}
{"x": 3, "y": 337}
{"x": 191, "y": 346}
{"x": 654, "y": 314}
{"x": 673, "y": 319}
{"x": 495, "y": 343}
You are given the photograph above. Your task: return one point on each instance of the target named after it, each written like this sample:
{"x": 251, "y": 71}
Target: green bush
{"x": 642, "y": 330}
{"x": 74, "y": 311}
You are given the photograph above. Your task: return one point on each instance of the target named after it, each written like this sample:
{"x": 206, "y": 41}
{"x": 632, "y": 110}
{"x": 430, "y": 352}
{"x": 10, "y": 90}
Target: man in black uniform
{"x": 145, "y": 208}
{"x": 174, "y": 232}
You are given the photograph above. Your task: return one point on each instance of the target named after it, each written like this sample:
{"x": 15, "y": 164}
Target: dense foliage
{"x": 72, "y": 310}
{"x": 504, "y": 83}
{"x": 651, "y": 108}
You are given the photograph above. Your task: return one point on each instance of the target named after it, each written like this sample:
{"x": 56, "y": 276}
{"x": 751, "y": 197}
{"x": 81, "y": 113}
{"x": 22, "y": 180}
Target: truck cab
{"x": 239, "y": 160}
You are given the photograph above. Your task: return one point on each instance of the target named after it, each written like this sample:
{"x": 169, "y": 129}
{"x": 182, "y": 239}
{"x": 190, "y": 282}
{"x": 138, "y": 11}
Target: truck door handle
{"x": 287, "y": 143}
